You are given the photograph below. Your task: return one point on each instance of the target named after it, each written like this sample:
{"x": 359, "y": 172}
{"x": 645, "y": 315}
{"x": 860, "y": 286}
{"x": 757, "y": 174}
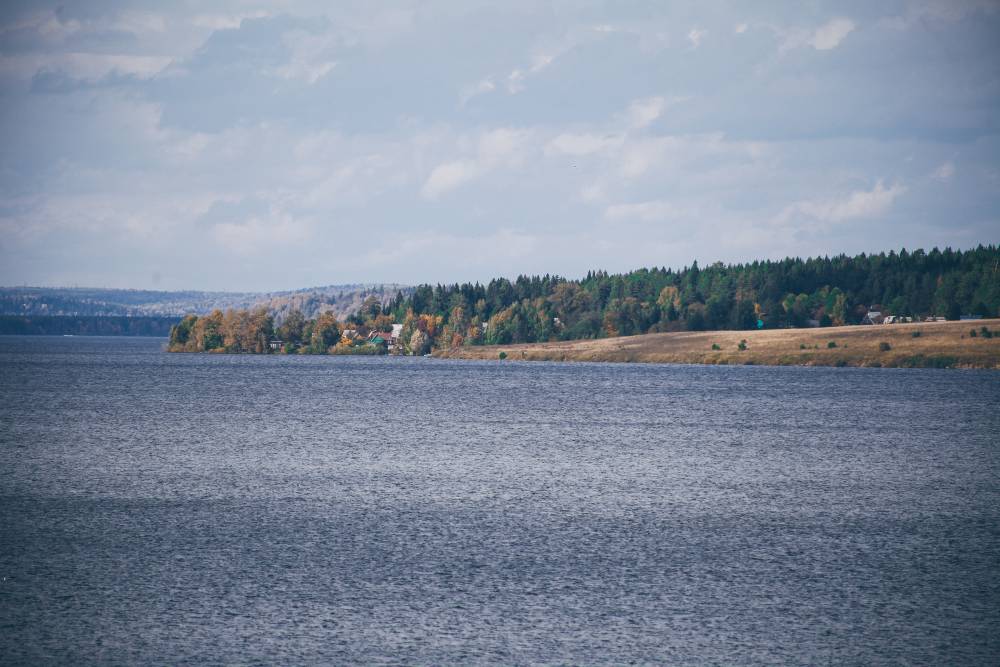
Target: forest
{"x": 822, "y": 291}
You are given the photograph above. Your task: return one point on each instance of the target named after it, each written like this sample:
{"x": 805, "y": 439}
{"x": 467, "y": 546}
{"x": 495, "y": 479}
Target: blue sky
{"x": 250, "y": 146}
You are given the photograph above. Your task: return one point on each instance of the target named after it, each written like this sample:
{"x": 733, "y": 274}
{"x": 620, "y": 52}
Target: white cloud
{"x": 695, "y": 36}
{"x": 647, "y": 211}
{"x": 225, "y": 21}
{"x": 583, "y": 143}
{"x": 829, "y": 35}
{"x": 481, "y": 88}
{"x": 944, "y": 172}
{"x": 311, "y": 56}
{"x": 858, "y": 204}
{"x": 463, "y": 252}
{"x": 643, "y": 112}
{"x": 89, "y": 67}
{"x": 500, "y": 147}
{"x": 515, "y": 81}
{"x": 448, "y": 176}
{"x": 741, "y": 28}
{"x": 258, "y": 235}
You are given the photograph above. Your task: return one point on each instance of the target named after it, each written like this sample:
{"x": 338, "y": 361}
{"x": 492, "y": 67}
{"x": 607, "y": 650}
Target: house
{"x": 388, "y": 338}
{"x": 275, "y": 344}
{"x": 872, "y": 317}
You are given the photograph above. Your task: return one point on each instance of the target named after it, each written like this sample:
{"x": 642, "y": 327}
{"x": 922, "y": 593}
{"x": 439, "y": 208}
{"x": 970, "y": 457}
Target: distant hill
{"x": 341, "y": 300}
{"x": 84, "y": 325}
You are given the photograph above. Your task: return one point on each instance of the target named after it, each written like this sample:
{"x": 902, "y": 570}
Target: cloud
{"x": 829, "y": 35}
{"x": 944, "y": 172}
{"x": 496, "y": 148}
{"x": 448, "y": 176}
{"x": 858, "y": 204}
{"x": 695, "y": 36}
{"x": 331, "y": 122}
{"x": 480, "y": 88}
{"x": 465, "y": 252}
{"x": 579, "y": 144}
{"x": 643, "y": 112}
{"x": 647, "y": 211}
{"x": 311, "y": 56}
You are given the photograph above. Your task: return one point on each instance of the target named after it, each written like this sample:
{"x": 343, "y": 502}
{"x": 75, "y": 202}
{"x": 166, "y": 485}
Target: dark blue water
{"x": 168, "y": 509}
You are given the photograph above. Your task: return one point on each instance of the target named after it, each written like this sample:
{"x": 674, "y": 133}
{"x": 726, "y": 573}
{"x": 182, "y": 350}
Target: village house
{"x": 872, "y": 317}
{"x": 388, "y": 338}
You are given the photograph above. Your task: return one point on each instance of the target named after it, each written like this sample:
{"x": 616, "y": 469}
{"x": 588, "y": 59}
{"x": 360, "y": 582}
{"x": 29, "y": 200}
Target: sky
{"x": 267, "y": 146}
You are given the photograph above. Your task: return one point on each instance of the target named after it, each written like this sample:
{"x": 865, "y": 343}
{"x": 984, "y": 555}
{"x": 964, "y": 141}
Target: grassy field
{"x": 924, "y": 345}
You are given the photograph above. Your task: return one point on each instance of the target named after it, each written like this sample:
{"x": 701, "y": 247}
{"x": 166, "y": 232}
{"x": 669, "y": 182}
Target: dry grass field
{"x": 924, "y": 345}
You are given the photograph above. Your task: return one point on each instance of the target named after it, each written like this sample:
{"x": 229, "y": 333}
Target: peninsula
{"x": 963, "y": 344}
{"x": 912, "y": 309}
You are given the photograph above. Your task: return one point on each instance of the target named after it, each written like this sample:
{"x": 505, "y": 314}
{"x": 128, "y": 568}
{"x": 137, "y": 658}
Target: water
{"x": 175, "y": 509}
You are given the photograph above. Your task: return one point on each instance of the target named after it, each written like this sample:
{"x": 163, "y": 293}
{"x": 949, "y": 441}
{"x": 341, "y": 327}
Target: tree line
{"x": 794, "y": 292}
{"x": 65, "y": 325}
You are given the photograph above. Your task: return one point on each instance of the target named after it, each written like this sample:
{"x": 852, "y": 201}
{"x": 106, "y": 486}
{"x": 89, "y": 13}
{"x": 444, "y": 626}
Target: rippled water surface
{"x": 167, "y": 509}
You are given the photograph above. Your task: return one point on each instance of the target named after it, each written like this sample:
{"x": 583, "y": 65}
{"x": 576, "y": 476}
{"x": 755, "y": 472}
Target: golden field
{"x": 936, "y": 345}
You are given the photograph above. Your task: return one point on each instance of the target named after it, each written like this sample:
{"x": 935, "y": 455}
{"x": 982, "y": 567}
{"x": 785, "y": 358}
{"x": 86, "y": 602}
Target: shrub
{"x": 884, "y": 347}
{"x": 832, "y": 344}
{"x": 743, "y": 345}
{"x": 502, "y": 356}
{"x": 802, "y": 346}
{"x": 840, "y": 363}
{"x": 985, "y": 333}
{"x": 915, "y": 334}
{"x": 972, "y": 333}
{"x": 920, "y": 361}
{"x": 715, "y": 346}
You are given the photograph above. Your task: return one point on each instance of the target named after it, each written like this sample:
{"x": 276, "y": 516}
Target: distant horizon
{"x": 377, "y": 283}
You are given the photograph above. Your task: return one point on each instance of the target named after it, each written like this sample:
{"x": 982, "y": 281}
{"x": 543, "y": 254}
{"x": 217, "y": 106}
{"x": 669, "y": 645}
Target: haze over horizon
{"x": 274, "y": 146}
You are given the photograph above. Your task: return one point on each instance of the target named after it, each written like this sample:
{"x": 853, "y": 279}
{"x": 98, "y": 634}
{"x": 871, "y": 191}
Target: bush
{"x": 915, "y": 334}
{"x": 715, "y": 346}
{"x": 972, "y": 333}
{"x": 884, "y": 347}
{"x": 743, "y": 345}
{"x": 840, "y": 363}
{"x": 832, "y": 344}
{"x": 920, "y": 361}
{"x": 802, "y": 346}
{"x": 502, "y": 356}
{"x": 985, "y": 333}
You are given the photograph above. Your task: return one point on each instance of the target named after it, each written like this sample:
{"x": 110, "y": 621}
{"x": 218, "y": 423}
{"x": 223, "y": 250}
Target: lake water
{"x": 167, "y": 509}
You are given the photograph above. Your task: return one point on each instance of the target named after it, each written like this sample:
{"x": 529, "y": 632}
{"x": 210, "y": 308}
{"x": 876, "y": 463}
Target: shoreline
{"x": 916, "y": 345}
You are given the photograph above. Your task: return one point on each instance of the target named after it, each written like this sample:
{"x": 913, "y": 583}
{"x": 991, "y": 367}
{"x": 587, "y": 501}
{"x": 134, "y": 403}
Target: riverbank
{"x": 923, "y": 345}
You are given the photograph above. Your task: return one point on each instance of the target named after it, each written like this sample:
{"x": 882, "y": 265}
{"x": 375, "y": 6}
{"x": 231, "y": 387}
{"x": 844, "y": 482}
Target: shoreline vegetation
{"x": 650, "y": 314}
{"x": 923, "y": 345}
